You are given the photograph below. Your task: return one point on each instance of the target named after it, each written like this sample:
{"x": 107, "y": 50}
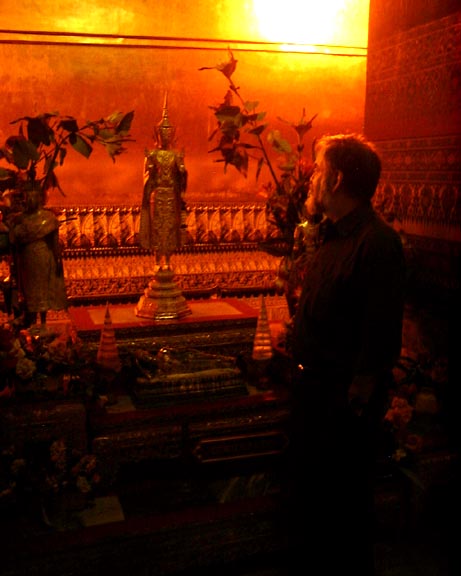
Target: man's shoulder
{"x": 381, "y": 227}
{"x": 379, "y": 237}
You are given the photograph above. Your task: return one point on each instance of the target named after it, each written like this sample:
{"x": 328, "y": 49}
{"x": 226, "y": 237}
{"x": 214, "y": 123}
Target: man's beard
{"x": 313, "y": 207}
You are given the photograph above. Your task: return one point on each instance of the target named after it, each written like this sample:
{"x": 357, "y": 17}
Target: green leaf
{"x": 113, "y": 118}
{"x": 247, "y": 145}
{"x": 251, "y": 106}
{"x": 302, "y": 127}
{"x": 229, "y": 132}
{"x": 213, "y": 134}
{"x": 62, "y": 155}
{"x": 258, "y": 130}
{"x": 107, "y": 133}
{"x": 260, "y": 164}
{"x": 215, "y": 149}
{"x": 227, "y": 112}
{"x": 70, "y": 125}
{"x": 51, "y": 183}
{"x": 240, "y": 161}
{"x": 82, "y": 146}
{"x": 50, "y": 165}
{"x": 227, "y": 68}
{"x": 252, "y": 117}
{"x": 38, "y": 131}
{"x": 278, "y": 143}
{"x": 113, "y": 149}
{"x": 23, "y": 153}
{"x": 124, "y": 125}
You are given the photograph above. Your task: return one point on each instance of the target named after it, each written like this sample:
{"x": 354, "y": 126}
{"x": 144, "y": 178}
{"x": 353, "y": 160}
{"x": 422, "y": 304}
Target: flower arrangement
{"x": 63, "y": 480}
{"x": 44, "y": 365}
{"x": 239, "y": 135}
{"x": 399, "y": 415}
{"x": 69, "y": 469}
{"x": 411, "y": 417}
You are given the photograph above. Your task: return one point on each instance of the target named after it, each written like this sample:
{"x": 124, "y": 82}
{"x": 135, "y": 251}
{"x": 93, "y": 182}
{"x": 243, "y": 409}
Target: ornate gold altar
{"x": 221, "y": 255}
{"x": 189, "y": 467}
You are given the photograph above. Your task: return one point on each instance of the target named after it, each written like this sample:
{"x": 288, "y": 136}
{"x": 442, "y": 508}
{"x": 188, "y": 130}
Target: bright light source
{"x": 331, "y": 22}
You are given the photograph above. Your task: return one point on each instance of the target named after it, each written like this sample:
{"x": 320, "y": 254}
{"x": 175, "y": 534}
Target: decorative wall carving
{"x": 421, "y": 182}
{"x": 413, "y": 82}
{"x": 413, "y": 114}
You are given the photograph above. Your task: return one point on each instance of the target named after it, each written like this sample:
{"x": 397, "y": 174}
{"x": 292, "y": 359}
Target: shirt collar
{"x": 347, "y": 224}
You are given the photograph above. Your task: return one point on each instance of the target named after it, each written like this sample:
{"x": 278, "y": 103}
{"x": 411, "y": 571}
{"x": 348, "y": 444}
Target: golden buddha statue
{"x": 163, "y": 209}
{"x": 163, "y": 223}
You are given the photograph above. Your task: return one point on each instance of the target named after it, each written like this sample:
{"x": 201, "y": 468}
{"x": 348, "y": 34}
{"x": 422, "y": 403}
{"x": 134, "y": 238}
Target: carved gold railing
{"x": 117, "y": 227}
{"x": 221, "y": 254}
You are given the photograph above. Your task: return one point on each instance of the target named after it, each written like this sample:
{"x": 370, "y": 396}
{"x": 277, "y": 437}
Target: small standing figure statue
{"x": 163, "y": 222}
{"x": 34, "y": 237}
{"x": 163, "y": 211}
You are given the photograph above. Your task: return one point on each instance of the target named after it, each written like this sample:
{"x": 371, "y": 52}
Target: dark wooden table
{"x": 197, "y": 485}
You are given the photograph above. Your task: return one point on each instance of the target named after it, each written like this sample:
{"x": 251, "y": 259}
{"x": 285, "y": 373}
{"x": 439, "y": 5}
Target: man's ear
{"x": 338, "y": 180}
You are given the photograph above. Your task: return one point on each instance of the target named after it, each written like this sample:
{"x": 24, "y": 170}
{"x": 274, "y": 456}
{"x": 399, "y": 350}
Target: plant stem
{"x": 234, "y": 89}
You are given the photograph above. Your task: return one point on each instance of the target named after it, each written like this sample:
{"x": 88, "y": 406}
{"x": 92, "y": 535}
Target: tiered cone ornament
{"x": 108, "y": 356}
{"x": 262, "y": 345}
{"x": 262, "y": 349}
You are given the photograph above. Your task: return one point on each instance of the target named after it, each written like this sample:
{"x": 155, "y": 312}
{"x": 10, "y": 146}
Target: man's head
{"x": 347, "y": 171}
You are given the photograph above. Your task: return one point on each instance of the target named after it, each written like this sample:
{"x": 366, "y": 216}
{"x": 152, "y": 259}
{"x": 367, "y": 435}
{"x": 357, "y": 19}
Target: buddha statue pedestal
{"x": 162, "y": 299}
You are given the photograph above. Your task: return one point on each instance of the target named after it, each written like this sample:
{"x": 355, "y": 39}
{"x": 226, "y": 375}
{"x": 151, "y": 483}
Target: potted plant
{"x": 41, "y": 145}
{"x": 238, "y": 138}
{"x": 28, "y": 165}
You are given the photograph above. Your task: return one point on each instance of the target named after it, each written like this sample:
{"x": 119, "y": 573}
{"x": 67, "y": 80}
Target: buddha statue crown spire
{"x": 164, "y": 130}
{"x": 165, "y": 121}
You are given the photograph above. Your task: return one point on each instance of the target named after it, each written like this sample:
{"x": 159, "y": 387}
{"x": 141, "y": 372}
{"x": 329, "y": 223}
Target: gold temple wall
{"x": 89, "y": 61}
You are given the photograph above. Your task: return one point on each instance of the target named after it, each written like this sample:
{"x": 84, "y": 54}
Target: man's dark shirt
{"x": 350, "y": 313}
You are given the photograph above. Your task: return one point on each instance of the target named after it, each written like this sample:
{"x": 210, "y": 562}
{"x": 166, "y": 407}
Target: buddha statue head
{"x": 164, "y": 131}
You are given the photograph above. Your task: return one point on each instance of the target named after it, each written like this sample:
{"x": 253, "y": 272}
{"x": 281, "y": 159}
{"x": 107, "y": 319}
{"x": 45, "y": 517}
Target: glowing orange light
{"x": 328, "y": 22}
